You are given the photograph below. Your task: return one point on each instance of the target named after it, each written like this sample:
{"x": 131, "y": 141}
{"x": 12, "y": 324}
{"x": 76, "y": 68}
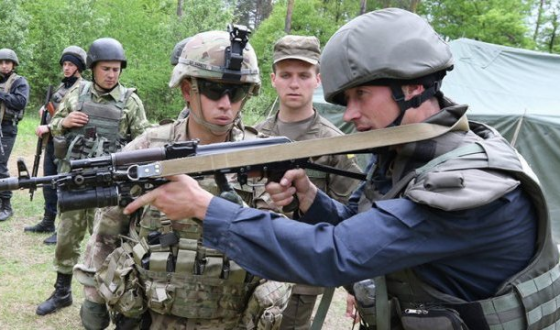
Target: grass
{"x": 27, "y": 274}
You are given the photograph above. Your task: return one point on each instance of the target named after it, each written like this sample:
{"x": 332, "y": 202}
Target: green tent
{"x": 513, "y": 90}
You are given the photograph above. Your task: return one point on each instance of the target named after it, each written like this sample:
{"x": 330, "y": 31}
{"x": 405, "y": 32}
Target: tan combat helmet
{"x": 218, "y": 56}
{"x": 204, "y": 56}
{"x": 389, "y": 47}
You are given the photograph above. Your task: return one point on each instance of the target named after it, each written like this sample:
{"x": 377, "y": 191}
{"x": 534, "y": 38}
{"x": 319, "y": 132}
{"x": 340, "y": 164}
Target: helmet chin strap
{"x": 213, "y": 128}
{"x": 415, "y": 102}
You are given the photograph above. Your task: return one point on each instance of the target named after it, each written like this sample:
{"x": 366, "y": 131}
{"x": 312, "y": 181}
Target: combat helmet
{"x": 106, "y": 49}
{"x": 177, "y": 50}
{"x": 389, "y": 47}
{"x": 8, "y": 54}
{"x": 78, "y": 52}
{"x": 205, "y": 56}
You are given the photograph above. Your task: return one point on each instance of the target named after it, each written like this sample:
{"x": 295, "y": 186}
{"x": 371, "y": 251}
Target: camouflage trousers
{"x": 72, "y": 226}
{"x": 170, "y": 322}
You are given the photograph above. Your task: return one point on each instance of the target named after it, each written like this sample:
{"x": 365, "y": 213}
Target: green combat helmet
{"x": 105, "y": 49}
{"x": 76, "y": 51}
{"x": 8, "y": 54}
{"x": 390, "y": 47}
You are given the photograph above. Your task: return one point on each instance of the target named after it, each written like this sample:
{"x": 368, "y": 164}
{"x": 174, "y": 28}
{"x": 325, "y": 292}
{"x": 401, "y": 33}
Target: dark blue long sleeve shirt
{"x": 18, "y": 96}
{"x": 467, "y": 254}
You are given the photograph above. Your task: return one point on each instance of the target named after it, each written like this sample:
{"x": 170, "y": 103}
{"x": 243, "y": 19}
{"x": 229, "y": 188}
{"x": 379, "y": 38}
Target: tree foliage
{"x": 39, "y": 30}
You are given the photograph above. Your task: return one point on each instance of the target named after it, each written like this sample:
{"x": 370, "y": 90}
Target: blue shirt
{"x": 467, "y": 253}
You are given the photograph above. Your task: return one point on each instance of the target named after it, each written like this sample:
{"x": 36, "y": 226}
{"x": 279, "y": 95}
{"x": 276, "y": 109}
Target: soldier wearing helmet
{"x": 73, "y": 63}
{"x": 14, "y": 94}
{"x": 210, "y": 291}
{"x": 449, "y": 230}
{"x": 93, "y": 119}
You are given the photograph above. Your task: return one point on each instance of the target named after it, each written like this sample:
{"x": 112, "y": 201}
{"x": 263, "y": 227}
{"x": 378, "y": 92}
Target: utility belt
{"x": 10, "y": 122}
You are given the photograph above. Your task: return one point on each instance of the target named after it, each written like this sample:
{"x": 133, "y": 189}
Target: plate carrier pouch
{"x": 529, "y": 299}
{"x": 183, "y": 278}
{"x": 100, "y": 136}
{"x": 5, "y": 112}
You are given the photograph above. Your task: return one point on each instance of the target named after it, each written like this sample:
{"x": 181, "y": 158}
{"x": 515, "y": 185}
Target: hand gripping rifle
{"x": 47, "y": 109}
{"x": 116, "y": 179}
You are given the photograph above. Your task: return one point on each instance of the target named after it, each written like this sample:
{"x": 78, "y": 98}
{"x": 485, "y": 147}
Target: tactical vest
{"x": 100, "y": 136}
{"x": 527, "y": 300}
{"x": 5, "y": 112}
{"x": 184, "y": 278}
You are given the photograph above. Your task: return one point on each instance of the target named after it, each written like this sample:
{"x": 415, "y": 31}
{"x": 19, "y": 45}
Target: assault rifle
{"x": 47, "y": 109}
{"x": 120, "y": 177}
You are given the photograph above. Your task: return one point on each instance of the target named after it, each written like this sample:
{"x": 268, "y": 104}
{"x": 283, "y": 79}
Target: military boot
{"x": 51, "y": 240}
{"x": 6, "y": 211}
{"x": 45, "y": 226}
{"x": 60, "y": 298}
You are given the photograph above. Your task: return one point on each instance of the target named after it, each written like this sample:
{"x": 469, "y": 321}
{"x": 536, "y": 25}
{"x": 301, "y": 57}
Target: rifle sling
{"x": 305, "y": 149}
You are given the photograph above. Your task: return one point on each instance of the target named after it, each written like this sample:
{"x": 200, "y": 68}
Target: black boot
{"x": 51, "y": 240}
{"x": 45, "y": 226}
{"x": 6, "y": 211}
{"x": 61, "y": 297}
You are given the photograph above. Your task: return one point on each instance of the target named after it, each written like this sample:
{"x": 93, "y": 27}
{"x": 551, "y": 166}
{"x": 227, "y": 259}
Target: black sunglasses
{"x": 215, "y": 91}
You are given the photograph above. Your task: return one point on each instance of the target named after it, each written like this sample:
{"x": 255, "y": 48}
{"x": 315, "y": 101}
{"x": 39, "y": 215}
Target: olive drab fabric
{"x": 114, "y": 119}
{"x": 490, "y": 165}
{"x": 403, "y": 47}
{"x": 163, "y": 268}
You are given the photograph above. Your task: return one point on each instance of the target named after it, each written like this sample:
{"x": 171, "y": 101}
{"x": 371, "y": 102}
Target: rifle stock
{"x": 39, "y": 149}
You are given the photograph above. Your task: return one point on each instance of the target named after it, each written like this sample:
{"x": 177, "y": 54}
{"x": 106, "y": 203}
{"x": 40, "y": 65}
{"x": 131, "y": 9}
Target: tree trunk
{"x": 414, "y": 5}
{"x": 363, "y": 6}
{"x": 180, "y": 8}
{"x": 288, "y": 23}
{"x": 538, "y": 23}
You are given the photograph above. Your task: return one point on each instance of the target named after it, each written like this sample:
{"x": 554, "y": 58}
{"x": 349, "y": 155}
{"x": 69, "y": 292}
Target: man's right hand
{"x": 41, "y": 129}
{"x": 293, "y": 182}
{"x": 75, "y": 119}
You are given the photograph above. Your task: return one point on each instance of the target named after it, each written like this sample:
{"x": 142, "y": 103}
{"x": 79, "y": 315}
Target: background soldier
{"x": 96, "y": 118}
{"x": 295, "y": 76}
{"x": 73, "y": 63}
{"x": 210, "y": 291}
{"x": 14, "y": 94}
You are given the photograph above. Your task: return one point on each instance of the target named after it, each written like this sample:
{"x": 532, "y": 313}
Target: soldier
{"x": 209, "y": 291}
{"x": 14, "y": 94}
{"x": 295, "y": 76}
{"x": 73, "y": 63}
{"x": 95, "y": 118}
{"x": 450, "y": 229}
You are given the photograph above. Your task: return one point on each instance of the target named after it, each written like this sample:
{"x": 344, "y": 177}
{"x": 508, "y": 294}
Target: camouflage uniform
{"x": 297, "y": 315}
{"x": 73, "y": 224}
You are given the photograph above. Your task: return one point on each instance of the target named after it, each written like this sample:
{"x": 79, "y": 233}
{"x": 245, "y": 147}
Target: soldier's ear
{"x": 186, "y": 89}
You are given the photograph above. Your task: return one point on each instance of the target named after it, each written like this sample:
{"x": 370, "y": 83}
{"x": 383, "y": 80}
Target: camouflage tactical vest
{"x": 182, "y": 277}
{"x": 5, "y": 112}
{"x": 100, "y": 136}
{"x": 523, "y": 301}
